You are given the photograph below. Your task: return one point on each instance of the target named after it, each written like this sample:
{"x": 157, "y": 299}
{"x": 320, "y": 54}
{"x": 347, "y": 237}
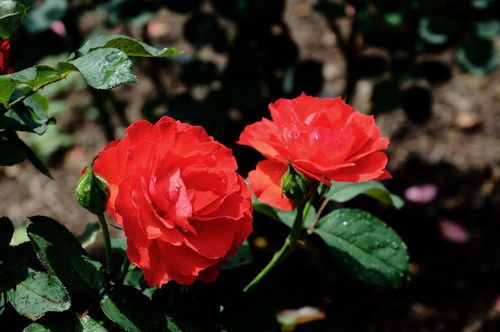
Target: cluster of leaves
{"x": 103, "y": 62}
{"x": 407, "y": 33}
{"x": 55, "y": 286}
{"x": 361, "y": 244}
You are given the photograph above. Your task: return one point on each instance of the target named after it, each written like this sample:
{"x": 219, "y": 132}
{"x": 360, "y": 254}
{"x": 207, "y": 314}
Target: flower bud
{"x": 296, "y": 186}
{"x": 92, "y": 191}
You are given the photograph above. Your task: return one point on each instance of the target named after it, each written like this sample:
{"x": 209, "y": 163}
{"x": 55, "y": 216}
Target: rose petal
{"x": 265, "y": 181}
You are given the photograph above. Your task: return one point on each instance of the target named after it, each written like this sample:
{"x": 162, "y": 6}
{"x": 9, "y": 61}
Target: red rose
{"x": 176, "y": 193}
{"x": 4, "y": 55}
{"x": 325, "y": 139}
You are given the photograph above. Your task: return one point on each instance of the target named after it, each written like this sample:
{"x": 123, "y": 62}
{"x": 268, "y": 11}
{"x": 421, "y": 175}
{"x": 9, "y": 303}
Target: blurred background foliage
{"x": 241, "y": 55}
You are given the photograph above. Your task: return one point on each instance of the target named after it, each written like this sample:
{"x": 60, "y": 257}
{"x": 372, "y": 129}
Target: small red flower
{"x": 176, "y": 193}
{"x": 4, "y": 55}
{"x": 325, "y": 139}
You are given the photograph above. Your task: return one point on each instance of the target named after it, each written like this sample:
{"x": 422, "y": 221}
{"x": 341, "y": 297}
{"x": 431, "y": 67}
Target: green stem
{"x": 37, "y": 88}
{"x": 288, "y": 246}
{"x": 107, "y": 241}
{"x": 124, "y": 268}
{"x": 318, "y": 215}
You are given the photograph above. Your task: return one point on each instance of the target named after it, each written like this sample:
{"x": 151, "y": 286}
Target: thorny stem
{"x": 288, "y": 246}
{"x": 107, "y": 241}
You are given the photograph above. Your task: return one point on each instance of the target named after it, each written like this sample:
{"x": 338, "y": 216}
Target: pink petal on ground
{"x": 453, "y": 232}
{"x": 421, "y": 194}
{"x": 59, "y": 28}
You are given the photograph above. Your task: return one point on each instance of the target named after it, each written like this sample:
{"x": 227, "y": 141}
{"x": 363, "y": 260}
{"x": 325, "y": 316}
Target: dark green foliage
{"x": 345, "y": 191}
{"x": 203, "y": 29}
{"x": 65, "y": 322}
{"x": 12, "y": 14}
{"x": 199, "y": 72}
{"x": 385, "y": 96}
{"x": 132, "y": 311}
{"x": 477, "y": 56}
{"x": 365, "y": 247}
{"x": 11, "y": 149}
{"x": 435, "y": 71}
{"x": 249, "y": 314}
{"x": 404, "y": 31}
{"x": 305, "y": 76}
{"x": 6, "y": 231}
{"x": 243, "y": 257}
{"x": 42, "y": 15}
{"x": 103, "y": 61}
{"x": 417, "y": 103}
{"x": 62, "y": 255}
{"x": 37, "y": 294}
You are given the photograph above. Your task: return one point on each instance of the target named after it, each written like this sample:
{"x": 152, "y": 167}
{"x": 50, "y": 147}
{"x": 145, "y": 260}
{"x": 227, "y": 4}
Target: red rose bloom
{"x": 176, "y": 193}
{"x": 325, "y": 139}
{"x": 4, "y": 55}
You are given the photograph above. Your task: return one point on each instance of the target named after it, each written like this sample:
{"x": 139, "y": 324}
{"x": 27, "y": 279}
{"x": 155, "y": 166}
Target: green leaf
{"x": 477, "y": 56}
{"x": 39, "y": 75}
{"x": 90, "y": 325}
{"x": 105, "y": 68}
{"x": 65, "y": 322}
{"x": 365, "y": 247}
{"x": 393, "y": 19}
{"x": 487, "y": 28}
{"x": 41, "y": 17}
{"x": 7, "y": 87}
{"x": 249, "y": 314}
{"x": 38, "y": 294}
{"x": 128, "y": 45}
{"x": 482, "y": 4}
{"x": 30, "y": 116}
{"x": 119, "y": 245}
{"x": 19, "y": 260}
{"x": 11, "y": 149}
{"x": 438, "y": 29}
{"x": 89, "y": 235}
{"x": 12, "y": 13}
{"x": 344, "y": 191}
{"x": 286, "y": 217}
{"x": 62, "y": 255}
{"x": 243, "y": 257}
{"x": 3, "y": 302}
{"x": 135, "y": 278}
{"x": 20, "y": 235}
{"x": 6, "y": 232}
{"x": 133, "y": 311}
{"x": 32, "y": 157}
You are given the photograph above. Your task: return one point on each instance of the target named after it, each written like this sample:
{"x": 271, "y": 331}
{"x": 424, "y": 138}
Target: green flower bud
{"x": 92, "y": 191}
{"x": 296, "y": 186}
